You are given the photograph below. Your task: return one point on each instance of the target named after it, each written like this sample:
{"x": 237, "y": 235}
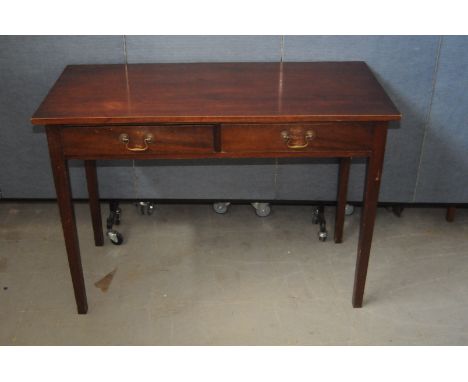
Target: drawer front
{"x": 304, "y": 137}
{"x": 137, "y": 140}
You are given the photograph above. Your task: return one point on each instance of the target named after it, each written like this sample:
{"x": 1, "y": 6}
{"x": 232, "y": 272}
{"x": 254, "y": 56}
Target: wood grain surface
{"x": 216, "y": 92}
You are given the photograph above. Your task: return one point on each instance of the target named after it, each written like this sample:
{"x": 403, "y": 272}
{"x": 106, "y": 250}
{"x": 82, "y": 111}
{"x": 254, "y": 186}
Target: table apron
{"x": 184, "y": 141}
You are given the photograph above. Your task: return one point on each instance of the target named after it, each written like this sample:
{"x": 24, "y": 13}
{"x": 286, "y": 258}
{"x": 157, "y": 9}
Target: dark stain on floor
{"x": 104, "y": 283}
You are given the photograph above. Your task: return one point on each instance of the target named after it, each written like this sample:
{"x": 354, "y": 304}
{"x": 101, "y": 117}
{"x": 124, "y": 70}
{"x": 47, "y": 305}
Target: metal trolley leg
{"x": 319, "y": 218}
{"x": 114, "y": 219}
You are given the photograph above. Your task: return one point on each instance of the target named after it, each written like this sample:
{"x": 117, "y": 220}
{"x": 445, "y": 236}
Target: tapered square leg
{"x": 341, "y": 200}
{"x": 368, "y": 213}
{"x": 94, "y": 205}
{"x": 67, "y": 215}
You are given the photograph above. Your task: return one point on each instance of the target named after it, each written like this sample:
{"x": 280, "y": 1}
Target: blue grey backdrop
{"x": 426, "y": 76}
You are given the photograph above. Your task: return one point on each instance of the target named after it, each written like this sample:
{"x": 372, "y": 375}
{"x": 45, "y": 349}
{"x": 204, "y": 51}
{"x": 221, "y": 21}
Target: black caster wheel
{"x": 349, "y": 209}
{"x": 323, "y": 236}
{"x": 221, "y": 207}
{"x": 262, "y": 209}
{"x": 115, "y": 237}
{"x": 146, "y": 208}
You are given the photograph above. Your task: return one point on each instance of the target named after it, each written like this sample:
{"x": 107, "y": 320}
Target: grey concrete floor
{"x": 188, "y": 276}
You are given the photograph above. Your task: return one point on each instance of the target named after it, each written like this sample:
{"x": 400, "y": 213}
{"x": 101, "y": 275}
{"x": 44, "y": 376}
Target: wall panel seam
{"x": 134, "y": 172}
{"x": 125, "y": 49}
{"x": 282, "y": 48}
{"x": 276, "y": 168}
{"x": 428, "y": 116}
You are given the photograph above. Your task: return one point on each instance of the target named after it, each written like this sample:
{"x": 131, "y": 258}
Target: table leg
{"x": 368, "y": 213}
{"x": 450, "y": 217}
{"x": 95, "y": 207}
{"x": 341, "y": 200}
{"x": 67, "y": 214}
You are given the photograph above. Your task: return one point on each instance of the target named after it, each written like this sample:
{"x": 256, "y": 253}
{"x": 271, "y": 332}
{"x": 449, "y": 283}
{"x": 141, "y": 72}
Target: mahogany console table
{"x": 216, "y": 110}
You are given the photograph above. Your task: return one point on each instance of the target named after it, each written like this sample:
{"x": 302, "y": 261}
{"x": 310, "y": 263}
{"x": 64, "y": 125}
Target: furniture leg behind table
{"x": 450, "y": 216}
{"x": 368, "y": 213}
{"x": 67, "y": 215}
{"x": 95, "y": 207}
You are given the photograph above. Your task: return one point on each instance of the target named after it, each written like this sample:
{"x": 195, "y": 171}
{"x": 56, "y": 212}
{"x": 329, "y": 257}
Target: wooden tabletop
{"x": 216, "y": 92}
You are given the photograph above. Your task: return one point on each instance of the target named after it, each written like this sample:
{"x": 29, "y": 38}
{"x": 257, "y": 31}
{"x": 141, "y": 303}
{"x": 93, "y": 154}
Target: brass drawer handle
{"x": 297, "y": 141}
{"x": 124, "y": 138}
